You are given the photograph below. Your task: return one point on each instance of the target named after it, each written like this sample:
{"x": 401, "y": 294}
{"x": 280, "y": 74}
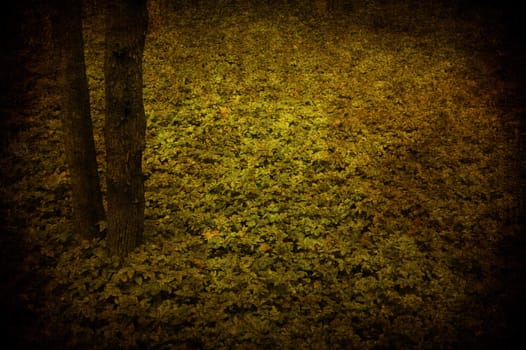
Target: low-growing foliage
{"x": 310, "y": 184}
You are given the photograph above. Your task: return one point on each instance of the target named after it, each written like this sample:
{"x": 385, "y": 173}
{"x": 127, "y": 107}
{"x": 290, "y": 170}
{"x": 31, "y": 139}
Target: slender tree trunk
{"x": 76, "y": 119}
{"x": 126, "y": 25}
{"x": 155, "y": 15}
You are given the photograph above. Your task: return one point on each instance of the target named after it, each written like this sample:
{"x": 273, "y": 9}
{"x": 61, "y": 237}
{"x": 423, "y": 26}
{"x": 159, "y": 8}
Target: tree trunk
{"x": 76, "y": 120}
{"x": 155, "y": 15}
{"x": 126, "y": 25}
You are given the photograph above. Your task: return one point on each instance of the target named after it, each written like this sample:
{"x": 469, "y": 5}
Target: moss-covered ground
{"x": 342, "y": 182}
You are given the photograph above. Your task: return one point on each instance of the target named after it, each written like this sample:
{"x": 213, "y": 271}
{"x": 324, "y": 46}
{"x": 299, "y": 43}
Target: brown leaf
{"x": 223, "y": 110}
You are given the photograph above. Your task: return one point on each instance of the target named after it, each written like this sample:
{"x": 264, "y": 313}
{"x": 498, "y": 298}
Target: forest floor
{"x": 345, "y": 182}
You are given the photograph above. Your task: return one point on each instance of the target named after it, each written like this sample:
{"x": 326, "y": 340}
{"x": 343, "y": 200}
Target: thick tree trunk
{"x": 126, "y": 25}
{"x": 76, "y": 120}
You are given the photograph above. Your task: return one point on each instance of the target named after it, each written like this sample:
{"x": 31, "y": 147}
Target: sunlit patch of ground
{"x": 340, "y": 182}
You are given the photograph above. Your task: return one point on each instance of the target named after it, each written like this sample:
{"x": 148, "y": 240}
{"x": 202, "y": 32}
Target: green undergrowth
{"x": 322, "y": 184}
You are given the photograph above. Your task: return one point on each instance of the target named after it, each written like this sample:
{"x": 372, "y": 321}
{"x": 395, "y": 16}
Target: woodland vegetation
{"x": 350, "y": 179}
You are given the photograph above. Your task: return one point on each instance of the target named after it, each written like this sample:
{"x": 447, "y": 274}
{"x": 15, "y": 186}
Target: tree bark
{"x": 76, "y": 120}
{"x": 126, "y": 25}
{"x": 155, "y": 15}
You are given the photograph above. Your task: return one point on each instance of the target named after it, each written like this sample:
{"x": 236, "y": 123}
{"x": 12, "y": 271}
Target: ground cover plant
{"x": 323, "y": 183}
